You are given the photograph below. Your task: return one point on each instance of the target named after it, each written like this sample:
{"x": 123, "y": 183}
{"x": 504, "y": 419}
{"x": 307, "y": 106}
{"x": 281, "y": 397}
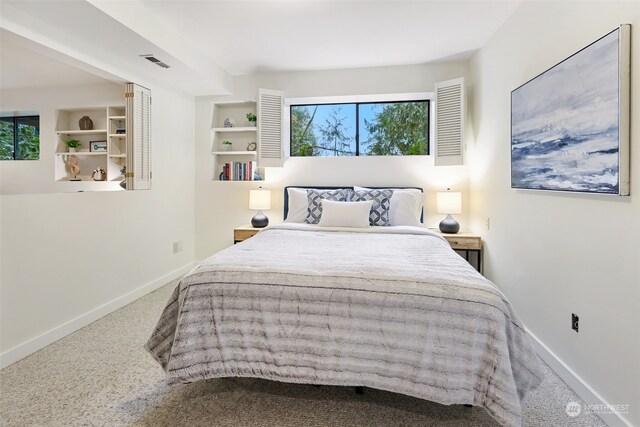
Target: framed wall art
{"x": 570, "y": 124}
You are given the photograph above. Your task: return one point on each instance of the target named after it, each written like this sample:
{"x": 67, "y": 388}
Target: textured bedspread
{"x": 395, "y": 309}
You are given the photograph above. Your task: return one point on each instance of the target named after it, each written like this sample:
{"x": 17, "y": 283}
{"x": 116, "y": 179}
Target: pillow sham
{"x": 379, "y": 215}
{"x": 406, "y": 206}
{"x": 298, "y": 205}
{"x": 315, "y": 197}
{"x": 345, "y": 214}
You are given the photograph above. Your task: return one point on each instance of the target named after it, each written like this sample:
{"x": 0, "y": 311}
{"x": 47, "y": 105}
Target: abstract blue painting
{"x": 566, "y": 124}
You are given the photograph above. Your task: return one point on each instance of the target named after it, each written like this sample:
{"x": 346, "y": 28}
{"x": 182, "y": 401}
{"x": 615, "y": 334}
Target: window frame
{"x": 14, "y": 119}
{"x": 359, "y": 99}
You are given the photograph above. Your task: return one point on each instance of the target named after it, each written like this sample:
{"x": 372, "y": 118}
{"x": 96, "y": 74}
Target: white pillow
{"x": 298, "y": 205}
{"x": 345, "y": 214}
{"x": 406, "y": 206}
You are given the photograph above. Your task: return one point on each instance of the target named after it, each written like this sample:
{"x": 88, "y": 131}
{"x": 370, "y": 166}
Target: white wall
{"x": 66, "y": 255}
{"x": 221, "y": 206}
{"x": 555, "y": 254}
{"x": 38, "y": 176}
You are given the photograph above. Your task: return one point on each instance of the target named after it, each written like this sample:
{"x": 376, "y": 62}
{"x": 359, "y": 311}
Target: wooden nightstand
{"x": 244, "y": 232}
{"x": 467, "y": 243}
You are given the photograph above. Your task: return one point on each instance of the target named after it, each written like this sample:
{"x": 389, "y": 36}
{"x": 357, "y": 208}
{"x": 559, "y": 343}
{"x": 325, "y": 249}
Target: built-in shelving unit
{"x": 240, "y": 135}
{"x": 81, "y": 153}
{"x": 236, "y": 129}
{"x": 81, "y": 132}
{"x": 117, "y": 145}
{"x": 107, "y": 122}
{"x": 234, "y": 153}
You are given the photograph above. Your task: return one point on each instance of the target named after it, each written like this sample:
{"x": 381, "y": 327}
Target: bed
{"x": 392, "y": 308}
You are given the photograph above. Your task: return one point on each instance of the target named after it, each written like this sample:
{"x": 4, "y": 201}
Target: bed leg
{"x": 468, "y": 406}
{"x": 316, "y": 385}
{"x": 359, "y": 389}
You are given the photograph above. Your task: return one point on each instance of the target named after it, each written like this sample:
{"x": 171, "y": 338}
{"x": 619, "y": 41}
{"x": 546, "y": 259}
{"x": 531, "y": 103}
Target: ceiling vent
{"x": 150, "y": 57}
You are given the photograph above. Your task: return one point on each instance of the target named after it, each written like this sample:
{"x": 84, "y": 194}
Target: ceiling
{"x": 206, "y": 43}
{"x": 246, "y": 37}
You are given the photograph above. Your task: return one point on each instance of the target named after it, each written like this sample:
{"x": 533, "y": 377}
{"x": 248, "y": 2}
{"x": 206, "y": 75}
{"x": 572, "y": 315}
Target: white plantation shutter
{"x": 449, "y": 120}
{"x": 270, "y": 128}
{"x": 138, "y": 137}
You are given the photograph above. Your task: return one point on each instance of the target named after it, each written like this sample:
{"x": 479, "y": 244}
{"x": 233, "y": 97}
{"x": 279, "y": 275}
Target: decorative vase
{"x": 227, "y": 147}
{"x": 72, "y": 149}
{"x": 252, "y": 124}
{"x": 99, "y": 175}
{"x": 85, "y": 123}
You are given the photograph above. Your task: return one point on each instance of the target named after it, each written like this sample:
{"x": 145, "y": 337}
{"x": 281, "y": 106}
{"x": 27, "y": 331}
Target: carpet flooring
{"x": 101, "y": 376}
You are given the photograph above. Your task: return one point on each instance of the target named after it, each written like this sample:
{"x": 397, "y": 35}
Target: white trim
{"x": 577, "y": 384}
{"x": 31, "y": 346}
{"x": 345, "y": 99}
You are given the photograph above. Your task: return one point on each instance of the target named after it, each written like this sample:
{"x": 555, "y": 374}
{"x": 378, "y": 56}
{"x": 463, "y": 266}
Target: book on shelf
{"x": 238, "y": 171}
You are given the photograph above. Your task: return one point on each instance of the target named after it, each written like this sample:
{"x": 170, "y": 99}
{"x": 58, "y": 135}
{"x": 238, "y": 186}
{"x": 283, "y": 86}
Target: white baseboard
{"x": 23, "y": 350}
{"x": 577, "y": 384}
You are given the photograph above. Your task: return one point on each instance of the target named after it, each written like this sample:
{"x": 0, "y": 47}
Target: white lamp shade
{"x": 260, "y": 200}
{"x": 449, "y": 202}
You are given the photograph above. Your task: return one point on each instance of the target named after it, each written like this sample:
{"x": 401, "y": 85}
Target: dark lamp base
{"x": 260, "y": 220}
{"x": 449, "y": 225}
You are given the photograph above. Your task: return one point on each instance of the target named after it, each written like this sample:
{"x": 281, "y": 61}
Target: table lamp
{"x": 259, "y": 200}
{"x": 449, "y": 202}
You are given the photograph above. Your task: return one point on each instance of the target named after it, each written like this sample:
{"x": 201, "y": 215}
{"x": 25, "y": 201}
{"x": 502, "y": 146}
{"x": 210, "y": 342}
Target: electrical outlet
{"x": 177, "y": 246}
{"x": 488, "y": 223}
{"x": 574, "y": 321}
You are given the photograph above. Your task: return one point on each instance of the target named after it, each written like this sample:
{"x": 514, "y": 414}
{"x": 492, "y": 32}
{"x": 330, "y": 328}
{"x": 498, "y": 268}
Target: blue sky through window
{"x": 334, "y": 126}
{"x": 326, "y": 113}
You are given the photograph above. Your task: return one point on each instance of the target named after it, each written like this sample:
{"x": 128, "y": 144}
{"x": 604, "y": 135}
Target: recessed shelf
{"x": 83, "y": 178}
{"x": 238, "y": 180}
{"x": 82, "y": 153}
{"x": 80, "y": 132}
{"x": 106, "y": 122}
{"x": 234, "y": 153}
{"x": 236, "y": 129}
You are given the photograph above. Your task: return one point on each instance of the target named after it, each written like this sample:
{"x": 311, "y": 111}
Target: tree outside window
{"x": 20, "y": 138}
{"x": 358, "y": 129}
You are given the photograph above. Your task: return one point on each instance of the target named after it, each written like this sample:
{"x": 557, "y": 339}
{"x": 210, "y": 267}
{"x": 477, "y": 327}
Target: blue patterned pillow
{"x": 315, "y": 197}
{"x": 379, "y": 214}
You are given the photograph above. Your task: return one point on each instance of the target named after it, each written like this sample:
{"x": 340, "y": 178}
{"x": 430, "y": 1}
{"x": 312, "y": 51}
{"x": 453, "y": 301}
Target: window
{"x": 388, "y": 128}
{"x": 20, "y": 138}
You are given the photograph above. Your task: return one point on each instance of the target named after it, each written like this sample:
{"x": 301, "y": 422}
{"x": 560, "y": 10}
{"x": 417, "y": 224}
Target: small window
{"x": 397, "y": 128}
{"x": 20, "y": 138}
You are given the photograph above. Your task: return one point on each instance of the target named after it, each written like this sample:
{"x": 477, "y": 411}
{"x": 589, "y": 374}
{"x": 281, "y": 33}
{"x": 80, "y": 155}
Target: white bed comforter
{"x": 392, "y": 308}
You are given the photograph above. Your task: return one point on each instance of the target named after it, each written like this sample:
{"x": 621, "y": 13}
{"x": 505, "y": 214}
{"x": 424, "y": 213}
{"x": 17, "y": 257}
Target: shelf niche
{"x": 240, "y": 136}
{"x": 106, "y": 120}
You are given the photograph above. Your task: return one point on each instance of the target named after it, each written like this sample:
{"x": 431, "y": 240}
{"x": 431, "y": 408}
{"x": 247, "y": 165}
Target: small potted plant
{"x": 226, "y": 145}
{"x": 252, "y": 119}
{"x": 72, "y": 145}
